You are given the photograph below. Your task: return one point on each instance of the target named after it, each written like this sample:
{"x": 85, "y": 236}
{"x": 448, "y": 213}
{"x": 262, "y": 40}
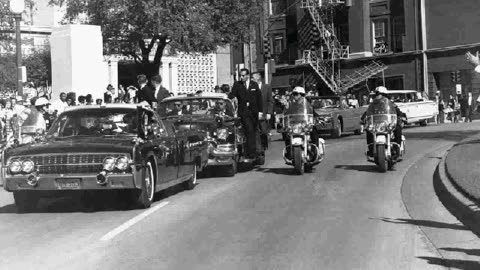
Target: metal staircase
{"x": 325, "y": 59}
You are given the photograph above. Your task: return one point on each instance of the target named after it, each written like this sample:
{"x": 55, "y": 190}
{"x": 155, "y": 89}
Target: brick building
{"x": 355, "y": 45}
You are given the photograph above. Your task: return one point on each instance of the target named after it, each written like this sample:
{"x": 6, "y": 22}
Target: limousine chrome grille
{"x": 80, "y": 163}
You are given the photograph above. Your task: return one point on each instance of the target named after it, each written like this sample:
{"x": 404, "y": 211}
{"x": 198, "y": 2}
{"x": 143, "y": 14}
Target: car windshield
{"x": 198, "y": 106}
{"x": 327, "y": 102}
{"x": 95, "y": 122}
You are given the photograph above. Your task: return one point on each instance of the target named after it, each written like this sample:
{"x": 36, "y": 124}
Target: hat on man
{"x": 381, "y": 90}
{"x": 41, "y": 101}
{"x": 299, "y": 90}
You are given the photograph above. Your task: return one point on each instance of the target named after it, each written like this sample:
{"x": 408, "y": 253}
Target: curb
{"x": 452, "y": 197}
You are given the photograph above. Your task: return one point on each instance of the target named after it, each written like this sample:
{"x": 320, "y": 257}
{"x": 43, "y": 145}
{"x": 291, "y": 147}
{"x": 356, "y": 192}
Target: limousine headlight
{"x": 109, "y": 164}
{"x": 15, "y": 166}
{"x": 122, "y": 163}
{"x": 28, "y": 166}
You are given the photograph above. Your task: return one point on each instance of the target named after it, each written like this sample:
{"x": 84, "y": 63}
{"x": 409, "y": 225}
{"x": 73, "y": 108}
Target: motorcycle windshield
{"x": 381, "y": 106}
{"x": 381, "y": 116}
{"x": 300, "y": 113}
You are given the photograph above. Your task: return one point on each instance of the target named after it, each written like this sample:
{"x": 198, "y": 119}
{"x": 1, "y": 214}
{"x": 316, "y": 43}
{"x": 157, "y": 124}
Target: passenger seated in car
{"x": 179, "y": 109}
{"x": 221, "y": 108}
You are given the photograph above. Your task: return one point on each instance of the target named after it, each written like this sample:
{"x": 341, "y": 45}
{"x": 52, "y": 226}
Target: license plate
{"x": 68, "y": 183}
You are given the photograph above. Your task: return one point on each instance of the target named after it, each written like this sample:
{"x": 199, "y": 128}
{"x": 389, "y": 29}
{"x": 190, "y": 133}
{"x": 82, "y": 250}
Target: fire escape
{"x": 325, "y": 59}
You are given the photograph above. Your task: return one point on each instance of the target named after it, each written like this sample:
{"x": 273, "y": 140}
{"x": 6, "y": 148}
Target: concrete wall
{"x": 224, "y": 66}
{"x": 359, "y": 27}
{"x": 77, "y": 61}
{"x": 451, "y": 23}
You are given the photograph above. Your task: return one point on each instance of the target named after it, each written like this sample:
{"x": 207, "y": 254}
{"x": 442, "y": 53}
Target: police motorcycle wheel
{"x": 298, "y": 160}
{"x": 382, "y": 160}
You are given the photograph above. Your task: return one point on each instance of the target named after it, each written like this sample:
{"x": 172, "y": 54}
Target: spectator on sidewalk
{"x": 59, "y": 105}
{"x": 469, "y": 107}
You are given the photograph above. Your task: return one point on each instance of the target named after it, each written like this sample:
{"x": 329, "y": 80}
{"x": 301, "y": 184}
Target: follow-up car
{"x": 215, "y": 115}
{"x": 417, "y": 108}
{"x": 114, "y": 147}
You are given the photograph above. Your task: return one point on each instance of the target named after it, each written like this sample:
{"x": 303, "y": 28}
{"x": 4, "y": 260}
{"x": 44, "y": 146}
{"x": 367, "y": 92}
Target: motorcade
{"x": 301, "y": 150}
{"x": 215, "y": 115}
{"x": 117, "y": 147}
{"x": 333, "y": 115}
{"x": 381, "y": 120}
{"x": 417, "y": 108}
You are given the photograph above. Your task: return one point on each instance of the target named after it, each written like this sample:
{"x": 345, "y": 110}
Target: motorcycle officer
{"x": 380, "y": 93}
{"x": 299, "y": 101}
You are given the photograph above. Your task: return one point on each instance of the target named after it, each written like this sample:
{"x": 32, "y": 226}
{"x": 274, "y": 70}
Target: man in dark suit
{"x": 160, "y": 91}
{"x": 250, "y": 108}
{"x": 108, "y": 95}
{"x": 267, "y": 105}
{"x": 146, "y": 93}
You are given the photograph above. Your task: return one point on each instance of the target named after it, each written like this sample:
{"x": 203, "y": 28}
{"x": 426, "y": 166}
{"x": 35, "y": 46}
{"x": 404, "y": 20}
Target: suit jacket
{"x": 162, "y": 93}
{"x": 146, "y": 93}
{"x": 267, "y": 98}
{"x": 249, "y": 100}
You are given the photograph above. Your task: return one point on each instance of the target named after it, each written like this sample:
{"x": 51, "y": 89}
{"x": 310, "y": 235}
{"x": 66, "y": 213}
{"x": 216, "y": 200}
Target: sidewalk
{"x": 459, "y": 185}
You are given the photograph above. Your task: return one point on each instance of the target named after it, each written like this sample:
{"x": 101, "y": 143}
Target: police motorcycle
{"x": 301, "y": 150}
{"x": 381, "y": 121}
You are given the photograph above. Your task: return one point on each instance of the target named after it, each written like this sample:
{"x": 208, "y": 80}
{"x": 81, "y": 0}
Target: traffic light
{"x": 453, "y": 75}
{"x": 459, "y": 76}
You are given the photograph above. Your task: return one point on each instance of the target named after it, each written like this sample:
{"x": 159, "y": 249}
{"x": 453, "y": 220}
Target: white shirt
{"x": 477, "y": 69}
{"x": 59, "y": 105}
{"x": 469, "y": 100}
{"x": 247, "y": 84}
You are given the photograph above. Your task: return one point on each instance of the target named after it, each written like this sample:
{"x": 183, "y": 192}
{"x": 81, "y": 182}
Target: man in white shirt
{"x": 59, "y": 105}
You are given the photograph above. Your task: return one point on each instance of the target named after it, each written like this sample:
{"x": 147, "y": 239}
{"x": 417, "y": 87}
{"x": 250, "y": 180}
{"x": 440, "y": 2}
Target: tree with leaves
{"x": 7, "y": 23}
{"x": 139, "y": 28}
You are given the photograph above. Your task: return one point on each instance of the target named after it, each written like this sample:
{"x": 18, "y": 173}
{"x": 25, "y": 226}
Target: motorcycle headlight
{"x": 222, "y": 133}
{"x": 15, "y": 166}
{"x": 122, "y": 163}
{"x": 109, "y": 164}
{"x": 28, "y": 166}
{"x": 381, "y": 127}
{"x": 297, "y": 129}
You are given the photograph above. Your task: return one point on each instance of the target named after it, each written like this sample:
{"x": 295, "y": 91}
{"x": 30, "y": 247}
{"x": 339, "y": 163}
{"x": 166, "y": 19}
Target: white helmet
{"x": 41, "y": 101}
{"x": 381, "y": 90}
{"x": 299, "y": 90}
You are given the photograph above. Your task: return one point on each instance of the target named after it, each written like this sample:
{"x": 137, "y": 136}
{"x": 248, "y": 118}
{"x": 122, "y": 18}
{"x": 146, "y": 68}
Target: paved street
{"x": 344, "y": 215}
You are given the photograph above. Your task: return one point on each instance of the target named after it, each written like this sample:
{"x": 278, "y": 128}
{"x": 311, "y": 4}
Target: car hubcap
{"x": 149, "y": 181}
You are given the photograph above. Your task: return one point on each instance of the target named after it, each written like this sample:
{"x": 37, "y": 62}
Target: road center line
{"x": 110, "y": 235}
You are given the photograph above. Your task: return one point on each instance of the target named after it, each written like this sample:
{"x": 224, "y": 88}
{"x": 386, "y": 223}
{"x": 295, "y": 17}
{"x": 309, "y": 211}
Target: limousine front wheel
{"x": 147, "y": 191}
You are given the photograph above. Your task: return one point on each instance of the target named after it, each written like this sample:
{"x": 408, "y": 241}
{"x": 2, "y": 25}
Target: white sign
{"x": 458, "y": 87}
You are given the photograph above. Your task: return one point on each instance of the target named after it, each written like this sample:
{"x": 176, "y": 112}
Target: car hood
{"x": 75, "y": 145}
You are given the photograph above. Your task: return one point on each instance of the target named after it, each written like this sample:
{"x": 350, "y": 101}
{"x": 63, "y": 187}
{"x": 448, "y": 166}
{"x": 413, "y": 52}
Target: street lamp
{"x": 17, "y": 7}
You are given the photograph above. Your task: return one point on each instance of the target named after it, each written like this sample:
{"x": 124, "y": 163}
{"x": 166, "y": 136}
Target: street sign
{"x": 458, "y": 87}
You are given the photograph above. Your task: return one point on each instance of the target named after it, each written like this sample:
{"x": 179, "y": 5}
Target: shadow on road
{"x": 473, "y": 252}
{"x": 424, "y": 223}
{"x": 456, "y": 264}
{"x": 360, "y": 168}
{"x": 284, "y": 171}
{"x": 100, "y": 201}
{"x": 450, "y": 135}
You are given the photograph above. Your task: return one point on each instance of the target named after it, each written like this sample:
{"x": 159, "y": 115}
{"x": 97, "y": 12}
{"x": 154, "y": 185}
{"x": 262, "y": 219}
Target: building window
{"x": 278, "y": 44}
{"x": 277, "y": 7}
{"x": 398, "y": 33}
{"x": 380, "y": 36}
